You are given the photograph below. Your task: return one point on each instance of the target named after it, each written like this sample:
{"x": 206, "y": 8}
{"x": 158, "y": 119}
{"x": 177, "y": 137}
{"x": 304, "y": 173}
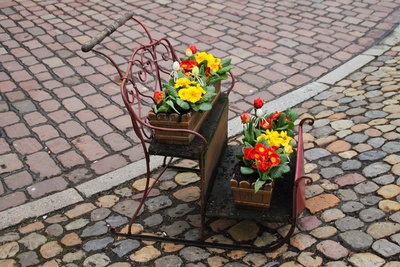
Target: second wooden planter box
{"x": 245, "y": 197}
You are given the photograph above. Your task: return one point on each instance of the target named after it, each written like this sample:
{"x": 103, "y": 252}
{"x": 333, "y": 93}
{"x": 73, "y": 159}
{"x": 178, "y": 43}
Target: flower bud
{"x": 259, "y": 112}
{"x": 195, "y": 71}
{"x": 176, "y": 66}
{"x": 245, "y": 117}
{"x": 188, "y": 52}
{"x": 193, "y": 48}
{"x": 258, "y": 103}
{"x": 158, "y": 96}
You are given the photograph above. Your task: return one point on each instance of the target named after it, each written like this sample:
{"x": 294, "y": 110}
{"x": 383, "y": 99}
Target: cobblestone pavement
{"x": 61, "y": 118}
{"x": 352, "y": 216}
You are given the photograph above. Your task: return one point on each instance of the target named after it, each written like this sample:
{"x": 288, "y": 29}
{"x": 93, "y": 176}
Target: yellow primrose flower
{"x": 201, "y": 56}
{"x": 285, "y": 139}
{"x": 214, "y": 64}
{"x": 191, "y": 94}
{"x": 288, "y": 150}
{"x": 183, "y": 83}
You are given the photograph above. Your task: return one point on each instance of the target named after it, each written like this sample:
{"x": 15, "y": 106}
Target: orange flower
{"x": 245, "y": 117}
{"x": 158, "y": 96}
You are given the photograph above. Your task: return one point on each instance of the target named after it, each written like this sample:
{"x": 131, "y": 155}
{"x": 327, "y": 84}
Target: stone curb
{"x": 13, "y": 216}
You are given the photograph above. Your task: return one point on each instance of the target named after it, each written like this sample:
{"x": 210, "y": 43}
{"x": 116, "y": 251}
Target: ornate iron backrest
{"x": 149, "y": 66}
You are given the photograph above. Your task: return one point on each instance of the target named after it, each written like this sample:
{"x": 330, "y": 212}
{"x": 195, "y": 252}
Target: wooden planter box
{"x": 243, "y": 190}
{"x": 190, "y": 121}
{"x": 245, "y": 197}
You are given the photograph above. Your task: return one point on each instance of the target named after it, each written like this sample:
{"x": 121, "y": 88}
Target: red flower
{"x": 158, "y": 96}
{"x": 245, "y": 117}
{"x": 258, "y": 103}
{"x": 248, "y": 153}
{"x": 193, "y": 48}
{"x": 261, "y": 149}
{"x": 266, "y": 123}
{"x": 276, "y": 115}
{"x": 275, "y": 159}
{"x": 264, "y": 166}
{"x": 187, "y": 65}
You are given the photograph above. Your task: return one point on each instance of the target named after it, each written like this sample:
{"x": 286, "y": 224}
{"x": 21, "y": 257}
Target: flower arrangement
{"x": 191, "y": 84}
{"x": 267, "y": 143}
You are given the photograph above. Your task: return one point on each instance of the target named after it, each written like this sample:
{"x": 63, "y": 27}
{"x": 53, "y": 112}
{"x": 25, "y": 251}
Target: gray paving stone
{"x": 375, "y": 169}
{"x": 316, "y": 153}
{"x": 176, "y": 228}
{"x": 352, "y": 206}
{"x": 350, "y": 165}
{"x": 391, "y": 147}
{"x": 192, "y": 254}
{"x": 29, "y": 258}
{"x": 157, "y": 203}
{"x": 384, "y": 179}
{"x": 153, "y": 220}
{"x": 97, "y": 229}
{"x": 326, "y": 162}
{"x": 97, "y": 244}
{"x": 331, "y": 172}
{"x": 375, "y": 114}
{"x": 117, "y": 220}
{"x": 98, "y": 260}
{"x": 179, "y": 211}
{"x": 356, "y": 138}
{"x": 348, "y": 223}
{"x": 372, "y": 155}
{"x": 170, "y": 260}
{"x": 386, "y": 248}
{"x": 99, "y": 214}
{"x": 356, "y": 240}
{"x": 371, "y": 214}
{"x": 122, "y": 248}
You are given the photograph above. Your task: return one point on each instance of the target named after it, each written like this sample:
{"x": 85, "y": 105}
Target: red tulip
{"x": 258, "y": 103}
{"x": 245, "y": 117}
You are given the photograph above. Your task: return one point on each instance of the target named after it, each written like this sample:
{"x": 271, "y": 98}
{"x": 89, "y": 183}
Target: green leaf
{"x": 226, "y": 62}
{"x": 205, "y": 106}
{"x": 246, "y": 170}
{"x": 183, "y": 104}
{"x": 259, "y": 183}
{"x": 195, "y": 107}
{"x": 224, "y": 70}
{"x": 161, "y": 109}
{"x": 172, "y": 105}
{"x": 172, "y": 92}
{"x": 277, "y": 172}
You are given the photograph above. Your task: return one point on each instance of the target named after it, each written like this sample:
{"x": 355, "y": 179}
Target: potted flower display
{"x": 265, "y": 156}
{"x": 190, "y": 93}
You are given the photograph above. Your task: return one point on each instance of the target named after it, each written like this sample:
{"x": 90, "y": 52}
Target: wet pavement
{"x": 52, "y": 142}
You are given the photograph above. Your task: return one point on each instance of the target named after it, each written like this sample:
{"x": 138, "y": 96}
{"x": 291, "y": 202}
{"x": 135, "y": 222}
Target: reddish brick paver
{"x": 60, "y": 109}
